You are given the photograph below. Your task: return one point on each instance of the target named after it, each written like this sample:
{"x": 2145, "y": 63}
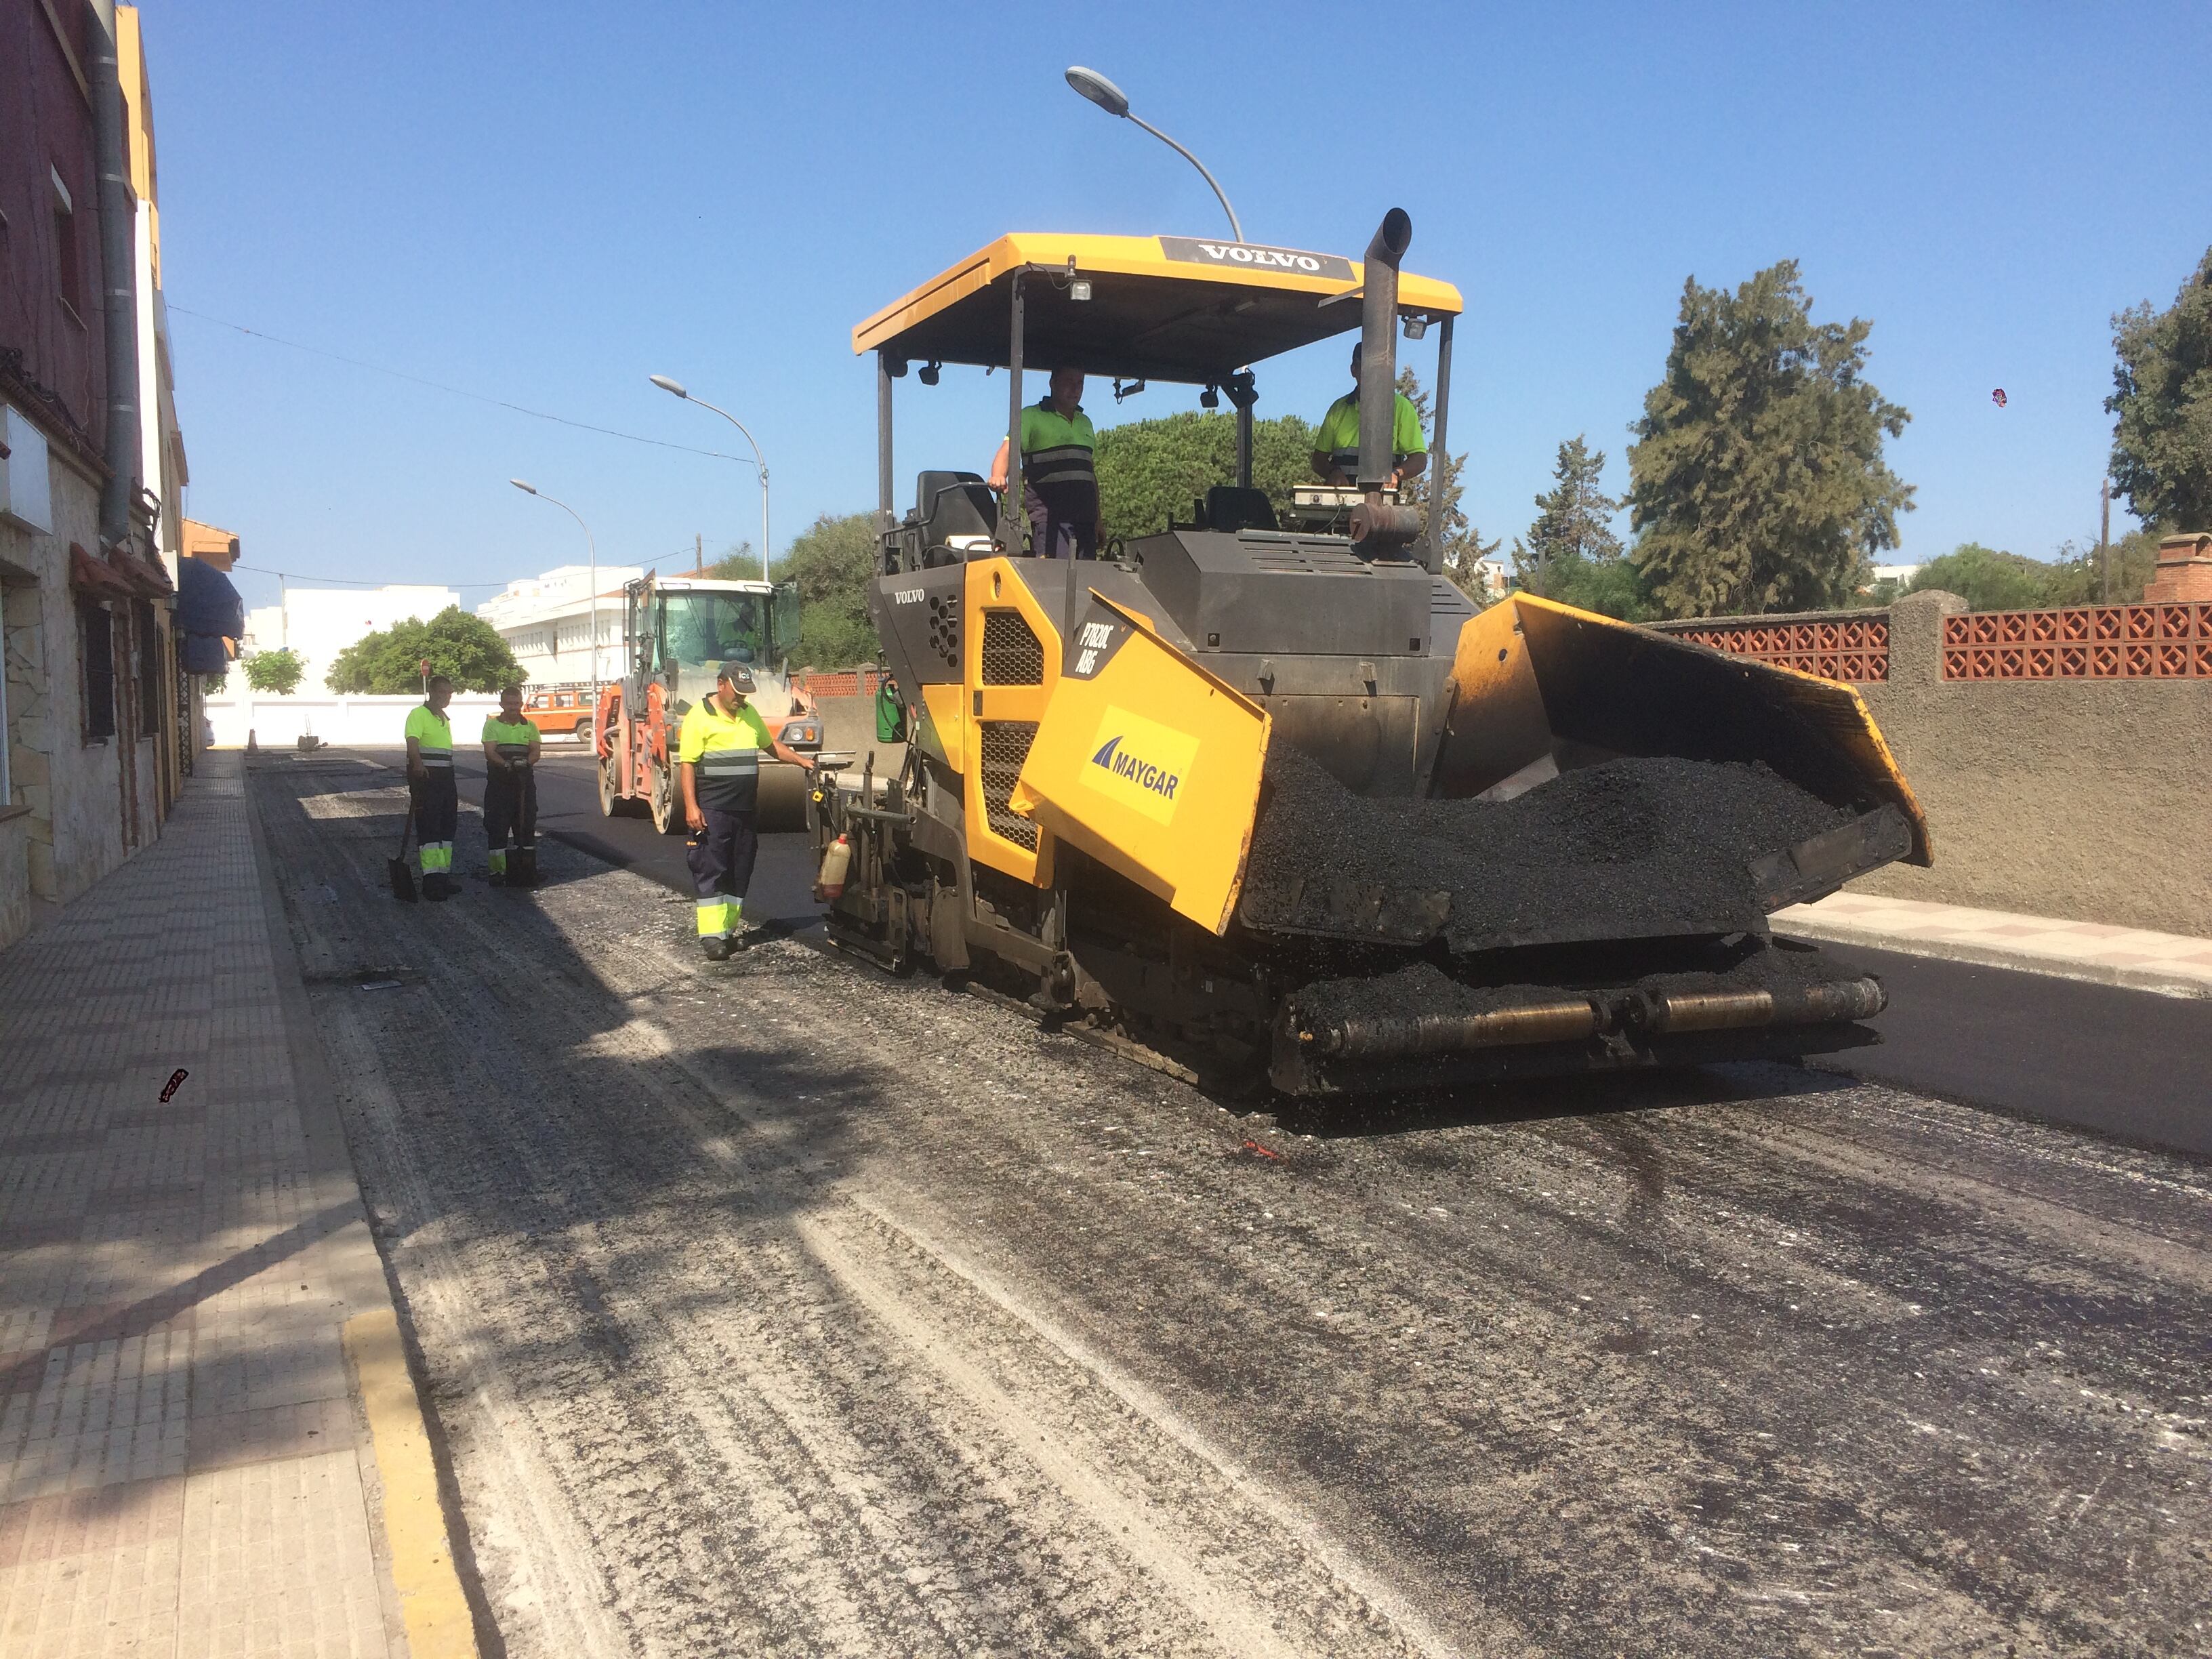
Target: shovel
{"x": 403, "y": 877}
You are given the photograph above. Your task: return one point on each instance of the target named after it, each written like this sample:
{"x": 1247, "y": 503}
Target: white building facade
{"x": 318, "y": 623}
{"x": 546, "y": 621}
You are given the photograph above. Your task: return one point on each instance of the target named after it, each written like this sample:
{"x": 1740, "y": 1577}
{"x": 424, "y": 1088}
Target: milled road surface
{"x": 782, "y": 1308}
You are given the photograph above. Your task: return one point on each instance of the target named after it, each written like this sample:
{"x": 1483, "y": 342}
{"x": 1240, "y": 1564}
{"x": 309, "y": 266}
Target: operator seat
{"x": 1233, "y": 509}
{"x": 957, "y": 513}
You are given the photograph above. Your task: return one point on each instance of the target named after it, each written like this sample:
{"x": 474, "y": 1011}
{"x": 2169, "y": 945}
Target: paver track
{"x": 783, "y": 1308}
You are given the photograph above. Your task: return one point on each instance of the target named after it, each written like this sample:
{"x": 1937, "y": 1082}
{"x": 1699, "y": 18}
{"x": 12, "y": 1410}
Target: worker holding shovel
{"x": 720, "y": 750}
{"x": 430, "y": 783}
{"x": 510, "y": 803}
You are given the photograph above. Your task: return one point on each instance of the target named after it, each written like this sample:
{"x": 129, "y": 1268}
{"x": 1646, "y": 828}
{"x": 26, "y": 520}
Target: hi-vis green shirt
{"x": 726, "y": 750}
{"x": 435, "y": 733}
{"x": 513, "y": 740}
{"x": 1339, "y": 428}
{"x": 1056, "y": 448}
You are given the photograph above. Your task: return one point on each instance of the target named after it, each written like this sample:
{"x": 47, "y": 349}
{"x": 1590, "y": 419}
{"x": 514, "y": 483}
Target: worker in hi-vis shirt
{"x": 510, "y": 802}
{"x": 1336, "y": 445}
{"x": 430, "y": 784}
{"x": 720, "y": 751}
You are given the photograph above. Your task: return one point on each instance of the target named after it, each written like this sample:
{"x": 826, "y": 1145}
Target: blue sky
{"x": 545, "y": 203}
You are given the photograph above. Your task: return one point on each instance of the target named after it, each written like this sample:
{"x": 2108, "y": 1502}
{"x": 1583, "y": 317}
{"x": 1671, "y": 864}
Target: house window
{"x": 96, "y": 634}
{"x": 151, "y": 680}
{"x": 68, "y": 267}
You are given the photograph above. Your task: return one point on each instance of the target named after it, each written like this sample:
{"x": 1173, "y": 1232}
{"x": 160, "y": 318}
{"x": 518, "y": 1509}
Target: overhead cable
{"x": 452, "y": 390}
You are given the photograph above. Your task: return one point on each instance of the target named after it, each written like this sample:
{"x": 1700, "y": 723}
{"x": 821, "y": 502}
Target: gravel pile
{"x": 1634, "y": 848}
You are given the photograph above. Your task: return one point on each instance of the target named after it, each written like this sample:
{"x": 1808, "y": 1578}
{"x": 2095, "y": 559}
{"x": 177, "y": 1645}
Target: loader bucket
{"x": 1540, "y": 688}
{"x": 1148, "y": 763}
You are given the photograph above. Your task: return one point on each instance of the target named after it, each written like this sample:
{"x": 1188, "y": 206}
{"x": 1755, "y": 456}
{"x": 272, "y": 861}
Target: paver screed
{"x": 182, "y": 1467}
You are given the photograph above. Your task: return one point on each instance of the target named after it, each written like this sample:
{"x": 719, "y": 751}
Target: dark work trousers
{"x": 437, "y": 814}
{"x": 1063, "y": 519}
{"x": 721, "y": 858}
{"x": 510, "y": 809}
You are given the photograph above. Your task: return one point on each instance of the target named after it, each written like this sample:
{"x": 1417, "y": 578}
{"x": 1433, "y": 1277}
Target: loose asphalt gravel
{"x": 781, "y": 1308}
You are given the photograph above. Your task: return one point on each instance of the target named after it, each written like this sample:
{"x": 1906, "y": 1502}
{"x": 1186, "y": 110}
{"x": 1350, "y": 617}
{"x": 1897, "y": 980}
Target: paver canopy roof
{"x": 1161, "y": 307}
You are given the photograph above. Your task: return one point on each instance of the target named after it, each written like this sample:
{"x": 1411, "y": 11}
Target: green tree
{"x": 2162, "y": 393}
{"x": 1574, "y": 517}
{"x": 832, "y": 561}
{"x": 1150, "y": 470}
{"x": 465, "y": 649}
{"x": 1756, "y": 482}
{"x": 1612, "y": 587}
{"x": 1987, "y": 579}
{"x": 1461, "y": 542}
{"x": 277, "y": 671}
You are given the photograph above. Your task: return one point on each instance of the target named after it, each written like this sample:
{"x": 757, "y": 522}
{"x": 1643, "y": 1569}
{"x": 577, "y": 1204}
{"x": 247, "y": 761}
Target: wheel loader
{"x": 677, "y": 632}
{"x": 1263, "y": 795}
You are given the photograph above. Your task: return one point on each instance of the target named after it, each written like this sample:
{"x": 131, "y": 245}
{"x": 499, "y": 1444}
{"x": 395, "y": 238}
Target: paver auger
{"x": 1271, "y": 798}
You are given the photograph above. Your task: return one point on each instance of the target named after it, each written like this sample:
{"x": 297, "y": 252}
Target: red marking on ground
{"x": 1254, "y": 1146}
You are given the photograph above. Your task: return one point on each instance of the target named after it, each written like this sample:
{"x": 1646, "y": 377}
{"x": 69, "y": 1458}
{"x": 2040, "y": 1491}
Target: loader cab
{"x": 681, "y": 632}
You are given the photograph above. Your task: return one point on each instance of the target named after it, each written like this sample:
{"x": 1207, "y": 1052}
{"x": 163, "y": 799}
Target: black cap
{"x": 740, "y": 677}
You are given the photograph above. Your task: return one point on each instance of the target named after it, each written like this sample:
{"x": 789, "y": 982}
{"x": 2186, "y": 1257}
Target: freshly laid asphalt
{"x": 2130, "y": 1063}
{"x": 780, "y": 1306}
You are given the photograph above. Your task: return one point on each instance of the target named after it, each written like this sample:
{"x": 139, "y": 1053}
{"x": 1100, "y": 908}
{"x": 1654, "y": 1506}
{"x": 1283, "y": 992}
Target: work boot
{"x": 716, "y": 947}
{"x": 437, "y": 887}
{"x": 499, "y": 878}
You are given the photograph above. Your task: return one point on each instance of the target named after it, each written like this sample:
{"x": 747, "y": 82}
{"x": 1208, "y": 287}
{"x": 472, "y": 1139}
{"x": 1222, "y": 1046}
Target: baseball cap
{"x": 740, "y": 677}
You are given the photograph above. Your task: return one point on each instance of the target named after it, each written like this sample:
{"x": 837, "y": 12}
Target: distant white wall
{"x": 350, "y": 722}
{"x": 318, "y": 623}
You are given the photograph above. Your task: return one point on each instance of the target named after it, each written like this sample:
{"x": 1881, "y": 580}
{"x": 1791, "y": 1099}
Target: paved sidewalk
{"x": 2130, "y": 956}
{"x": 186, "y": 1467}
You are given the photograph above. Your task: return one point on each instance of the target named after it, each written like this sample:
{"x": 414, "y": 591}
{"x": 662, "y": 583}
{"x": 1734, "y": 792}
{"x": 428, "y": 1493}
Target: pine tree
{"x": 2162, "y": 393}
{"x": 1757, "y": 480}
{"x": 1460, "y": 542}
{"x": 1574, "y": 519}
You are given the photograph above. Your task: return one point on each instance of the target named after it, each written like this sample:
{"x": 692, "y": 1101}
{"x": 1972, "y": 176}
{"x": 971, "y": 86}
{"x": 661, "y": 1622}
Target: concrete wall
{"x": 848, "y": 727}
{"x": 353, "y": 722}
{"x": 2086, "y": 799}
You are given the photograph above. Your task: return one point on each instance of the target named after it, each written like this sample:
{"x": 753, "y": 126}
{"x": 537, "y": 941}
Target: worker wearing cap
{"x": 719, "y": 754}
{"x": 1060, "y": 485}
{"x": 430, "y": 784}
{"x": 1336, "y": 446}
{"x": 510, "y": 802}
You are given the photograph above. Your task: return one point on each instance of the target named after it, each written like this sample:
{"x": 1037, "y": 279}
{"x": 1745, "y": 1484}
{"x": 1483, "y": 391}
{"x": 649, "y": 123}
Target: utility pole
{"x": 2105, "y": 539}
{"x": 698, "y": 554}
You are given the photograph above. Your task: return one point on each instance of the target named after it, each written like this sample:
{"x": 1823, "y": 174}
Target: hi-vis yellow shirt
{"x": 513, "y": 739}
{"x": 726, "y": 750}
{"x": 435, "y": 733}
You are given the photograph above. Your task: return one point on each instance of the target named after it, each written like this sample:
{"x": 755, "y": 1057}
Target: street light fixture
{"x": 676, "y": 388}
{"x": 593, "y": 544}
{"x": 1111, "y": 99}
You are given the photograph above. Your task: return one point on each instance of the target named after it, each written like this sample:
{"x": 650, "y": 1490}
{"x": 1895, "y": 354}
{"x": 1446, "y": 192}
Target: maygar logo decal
{"x": 1142, "y": 764}
{"x": 1143, "y": 773}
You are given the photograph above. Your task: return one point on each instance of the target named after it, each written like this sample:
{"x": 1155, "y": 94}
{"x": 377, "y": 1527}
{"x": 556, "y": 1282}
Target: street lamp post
{"x": 677, "y": 389}
{"x": 1111, "y": 99}
{"x": 593, "y": 544}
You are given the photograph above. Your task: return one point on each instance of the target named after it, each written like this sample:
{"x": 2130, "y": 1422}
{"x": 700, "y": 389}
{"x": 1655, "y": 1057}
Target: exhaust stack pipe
{"x": 1377, "y": 526}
